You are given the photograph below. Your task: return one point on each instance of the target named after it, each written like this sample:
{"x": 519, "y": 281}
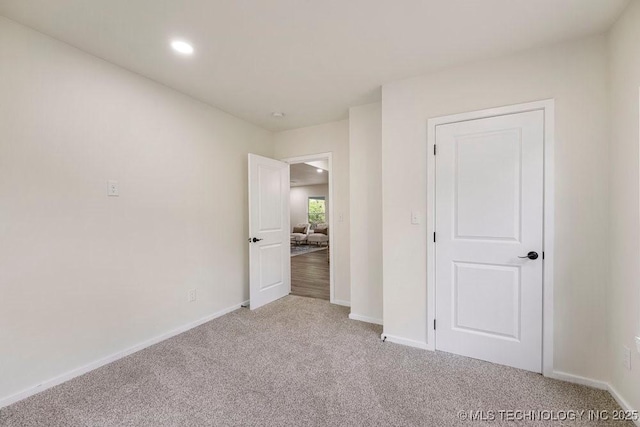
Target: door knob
{"x": 254, "y": 240}
{"x": 530, "y": 255}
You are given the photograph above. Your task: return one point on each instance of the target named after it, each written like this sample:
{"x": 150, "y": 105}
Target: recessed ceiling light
{"x": 277, "y": 114}
{"x": 320, "y": 170}
{"x": 182, "y": 47}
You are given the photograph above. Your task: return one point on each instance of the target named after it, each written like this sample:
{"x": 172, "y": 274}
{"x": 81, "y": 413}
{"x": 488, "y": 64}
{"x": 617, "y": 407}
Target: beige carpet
{"x": 298, "y": 361}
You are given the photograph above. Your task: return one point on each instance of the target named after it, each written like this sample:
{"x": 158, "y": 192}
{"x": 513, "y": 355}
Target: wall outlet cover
{"x": 626, "y": 357}
{"x": 112, "y": 188}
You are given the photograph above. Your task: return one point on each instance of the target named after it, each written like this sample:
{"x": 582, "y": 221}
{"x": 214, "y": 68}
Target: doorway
{"x": 489, "y": 285}
{"x": 311, "y": 222}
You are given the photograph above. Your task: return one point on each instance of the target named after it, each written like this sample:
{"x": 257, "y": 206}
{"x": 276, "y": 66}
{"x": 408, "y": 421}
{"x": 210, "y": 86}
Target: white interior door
{"x": 489, "y": 215}
{"x": 269, "y": 253}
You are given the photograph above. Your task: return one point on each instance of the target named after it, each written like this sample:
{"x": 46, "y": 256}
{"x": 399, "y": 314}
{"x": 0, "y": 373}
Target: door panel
{"x": 487, "y": 177}
{"x": 271, "y": 268}
{"x": 270, "y": 201}
{"x": 489, "y": 212}
{"x": 487, "y": 299}
{"x": 269, "y": 261}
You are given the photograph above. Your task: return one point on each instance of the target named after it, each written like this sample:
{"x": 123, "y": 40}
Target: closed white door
{"x": 489, "y": 239}
{"x": 269, "y": 253}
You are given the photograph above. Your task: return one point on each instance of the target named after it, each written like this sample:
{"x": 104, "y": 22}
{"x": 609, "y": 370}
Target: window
{"x": 317, "y": 210}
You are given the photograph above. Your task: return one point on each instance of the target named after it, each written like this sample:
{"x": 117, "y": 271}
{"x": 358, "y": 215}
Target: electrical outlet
{"x": 191, "y": 295}
{"x": 112, "y": 188}
{"x": 626, "y": 357}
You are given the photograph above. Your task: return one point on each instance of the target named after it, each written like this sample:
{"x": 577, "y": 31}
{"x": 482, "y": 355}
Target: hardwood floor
{"x": 310, "y": 275}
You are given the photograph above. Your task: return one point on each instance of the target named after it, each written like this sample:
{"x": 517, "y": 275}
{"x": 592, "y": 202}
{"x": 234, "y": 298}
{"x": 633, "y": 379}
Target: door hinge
{"x": 434, "y": 324}
{"x": 434, "y": 149}
{"x": 434, "y": 237}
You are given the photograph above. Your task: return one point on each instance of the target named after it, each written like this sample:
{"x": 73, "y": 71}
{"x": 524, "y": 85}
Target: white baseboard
{"x": 576, "y": 379}
{"x": 52, "y": 382}
{"x": 340, "y": 302}
{"x": 404, "y": 341}
{"x": 623, "y": 403}
{"x": 366, "y": 319}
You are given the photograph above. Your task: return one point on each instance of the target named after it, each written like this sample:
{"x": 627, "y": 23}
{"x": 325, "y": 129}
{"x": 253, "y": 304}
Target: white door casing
{"x": 269, "y": 253}
{"x": 489, "y": 198}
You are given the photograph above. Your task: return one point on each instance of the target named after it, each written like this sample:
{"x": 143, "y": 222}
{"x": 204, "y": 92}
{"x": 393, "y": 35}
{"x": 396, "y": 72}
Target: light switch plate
{"x": 112, "y": 188}
{"x": 415, "y": 218}
{"x": 638, "y": 343}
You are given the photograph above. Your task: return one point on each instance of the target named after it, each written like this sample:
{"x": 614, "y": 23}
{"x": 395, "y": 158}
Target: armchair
{"x": 319, "y": 235}
{"x": 300, "y": 233}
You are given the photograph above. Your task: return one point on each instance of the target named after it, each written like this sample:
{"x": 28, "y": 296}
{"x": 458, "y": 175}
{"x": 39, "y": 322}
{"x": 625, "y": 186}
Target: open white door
{"x": 269, "y": 253}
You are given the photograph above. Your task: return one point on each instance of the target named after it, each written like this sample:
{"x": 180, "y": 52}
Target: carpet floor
{"x": 297, "y": 361}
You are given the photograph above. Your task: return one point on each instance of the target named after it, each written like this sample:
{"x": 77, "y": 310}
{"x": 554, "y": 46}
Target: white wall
{"x": 82, "y": 275}
{"x": 299, "y": 202}
{"x": 575, "y": 74}
{"x": 624, "y": 287}
{"x": 365, "y": 179}
{"x": 330, "y": 137}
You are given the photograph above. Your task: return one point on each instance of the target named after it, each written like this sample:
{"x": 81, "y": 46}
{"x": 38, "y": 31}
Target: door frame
{"x": 548, "y": 108}
{"x": 310, "y": 158}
